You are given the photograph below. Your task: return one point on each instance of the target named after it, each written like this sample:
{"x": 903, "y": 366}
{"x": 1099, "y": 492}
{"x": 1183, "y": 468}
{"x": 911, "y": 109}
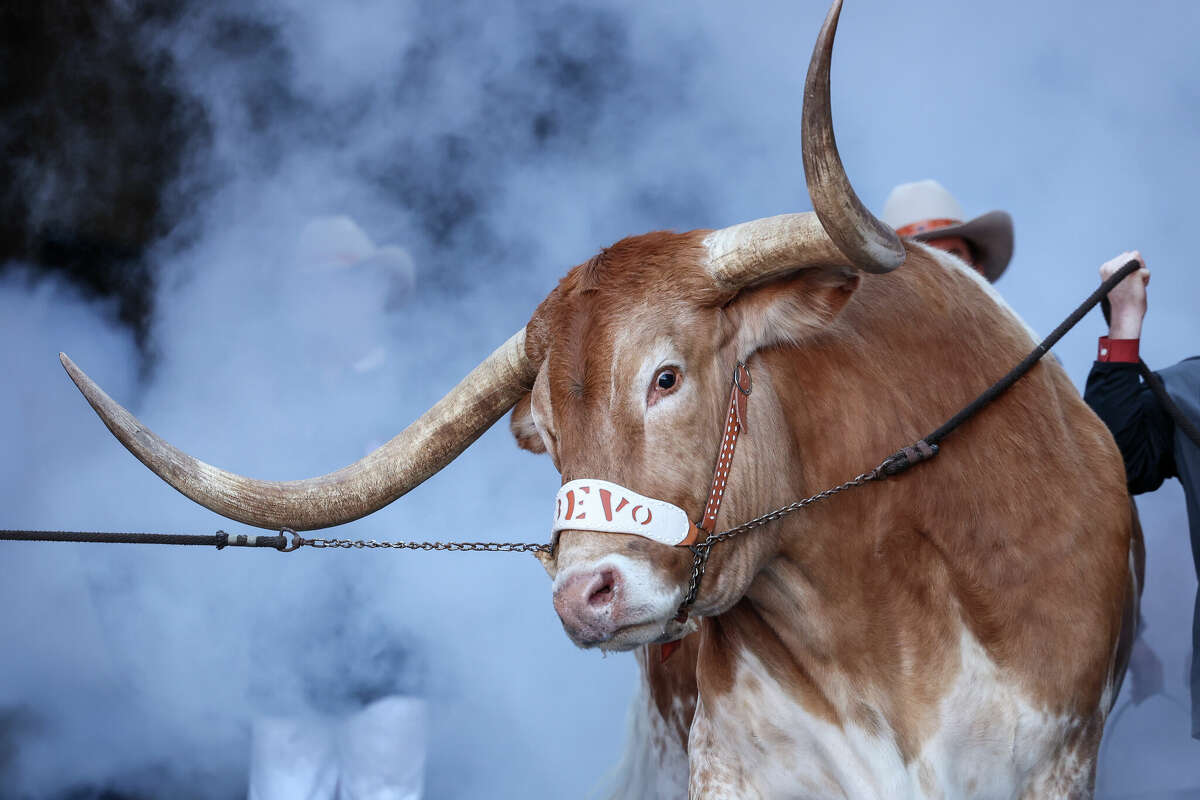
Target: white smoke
{"x": 499, "y": 144}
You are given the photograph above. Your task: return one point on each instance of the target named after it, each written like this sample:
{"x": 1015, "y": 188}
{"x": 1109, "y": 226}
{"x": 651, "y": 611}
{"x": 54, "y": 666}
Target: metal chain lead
{"x": 702, "y": 550}
{"x": 455, "y": 547}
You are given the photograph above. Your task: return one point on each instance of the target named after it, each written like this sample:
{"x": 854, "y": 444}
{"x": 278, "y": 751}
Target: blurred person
{"x": 348, "y": 725}
{"x": 337, "y": 262}
{"x": 1156, "y": 442}
{"x": 926, "y": 212}
{"x": 377, "y": 753}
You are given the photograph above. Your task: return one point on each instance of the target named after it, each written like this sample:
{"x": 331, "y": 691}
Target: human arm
{"x": 1127, "y": 299}
{"x": 1141, "y": 427}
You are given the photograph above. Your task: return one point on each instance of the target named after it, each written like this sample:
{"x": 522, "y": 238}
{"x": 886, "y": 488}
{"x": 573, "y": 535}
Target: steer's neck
{"x": 849, "y": 591}
{"x": 882, "y": 612}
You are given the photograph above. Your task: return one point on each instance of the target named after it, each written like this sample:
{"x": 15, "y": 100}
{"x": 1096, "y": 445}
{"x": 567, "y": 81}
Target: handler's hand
{"x": 1128, "y": 298}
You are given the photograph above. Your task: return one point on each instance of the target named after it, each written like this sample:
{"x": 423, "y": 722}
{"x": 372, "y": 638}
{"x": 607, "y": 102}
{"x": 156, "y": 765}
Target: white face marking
{"x": 660, "y": 354}
{"x": 759, "y": 741}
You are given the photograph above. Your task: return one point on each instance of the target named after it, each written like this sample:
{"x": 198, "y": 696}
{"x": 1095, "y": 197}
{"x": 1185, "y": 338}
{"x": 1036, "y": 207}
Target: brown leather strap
{"x": 735, "y": 423}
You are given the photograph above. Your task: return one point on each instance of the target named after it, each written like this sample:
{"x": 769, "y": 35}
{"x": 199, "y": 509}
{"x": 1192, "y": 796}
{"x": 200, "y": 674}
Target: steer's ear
{"x": 789, "y": 310}
{"x": 523, "y": 429}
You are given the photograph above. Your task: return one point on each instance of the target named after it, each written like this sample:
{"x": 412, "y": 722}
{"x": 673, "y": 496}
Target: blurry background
{"x": 177, "y": 187}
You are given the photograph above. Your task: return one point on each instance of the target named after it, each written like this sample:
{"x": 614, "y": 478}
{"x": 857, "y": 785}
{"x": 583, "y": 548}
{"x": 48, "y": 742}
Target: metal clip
{"x": 738, "y": 369}
{"x": 291, "y": 540}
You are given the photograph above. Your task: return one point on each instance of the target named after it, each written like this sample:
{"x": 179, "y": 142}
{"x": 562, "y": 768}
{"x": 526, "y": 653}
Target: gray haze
{"x": 501, "y": 144}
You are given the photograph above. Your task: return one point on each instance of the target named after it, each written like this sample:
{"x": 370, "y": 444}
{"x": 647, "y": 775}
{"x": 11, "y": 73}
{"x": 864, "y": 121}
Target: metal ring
{"x": 737, "y": 378}
{"x": 292, "y": 540}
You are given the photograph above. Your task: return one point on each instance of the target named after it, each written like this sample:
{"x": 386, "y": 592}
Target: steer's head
{"x": 630, "y": 346}
{"x": 621, "y": 376}
{"x": 636, "y": 349}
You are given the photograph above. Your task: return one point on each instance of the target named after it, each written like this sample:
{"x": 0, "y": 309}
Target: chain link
{"x": 702, "y": 550}
{"x": 455, "y": 547}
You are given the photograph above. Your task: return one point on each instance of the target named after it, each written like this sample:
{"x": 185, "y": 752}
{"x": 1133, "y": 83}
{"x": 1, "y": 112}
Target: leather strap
{"x": 735, "y": 423}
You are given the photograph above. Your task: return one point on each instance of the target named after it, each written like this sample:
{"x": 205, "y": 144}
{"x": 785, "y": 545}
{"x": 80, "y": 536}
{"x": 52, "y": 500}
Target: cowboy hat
{"x": 925, "y": 210}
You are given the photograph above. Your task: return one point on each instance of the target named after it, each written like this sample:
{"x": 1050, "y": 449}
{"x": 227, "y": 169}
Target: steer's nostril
{"x": 602, "y": 589}
{"x": 601, "y": 596}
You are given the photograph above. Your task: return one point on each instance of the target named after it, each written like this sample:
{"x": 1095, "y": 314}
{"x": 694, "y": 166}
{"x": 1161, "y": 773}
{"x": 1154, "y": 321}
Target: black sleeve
{"x": 1143, "y": 431}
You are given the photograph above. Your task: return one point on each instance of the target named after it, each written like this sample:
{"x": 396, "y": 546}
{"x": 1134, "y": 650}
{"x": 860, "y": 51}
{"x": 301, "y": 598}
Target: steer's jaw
{"x": 616, "y": 602}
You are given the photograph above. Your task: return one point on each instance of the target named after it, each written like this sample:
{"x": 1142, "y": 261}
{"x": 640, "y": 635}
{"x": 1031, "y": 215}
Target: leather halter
{"x": 616, "y": 509}
{"x": 592, "y": 504}
{"x": 735, "y": 423}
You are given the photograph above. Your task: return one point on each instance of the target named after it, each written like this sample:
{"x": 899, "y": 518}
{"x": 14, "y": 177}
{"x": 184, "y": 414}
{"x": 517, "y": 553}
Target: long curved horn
{"x": 867, "y": 242}
{"x": 846, "y": 234}
{"x": 416, "y": 453}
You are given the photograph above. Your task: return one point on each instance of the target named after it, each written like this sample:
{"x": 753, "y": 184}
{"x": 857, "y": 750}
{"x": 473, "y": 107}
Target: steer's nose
{"x": 588, "y": 603}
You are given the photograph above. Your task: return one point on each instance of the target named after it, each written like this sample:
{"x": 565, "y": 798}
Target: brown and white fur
{"x": 951, "y": 632}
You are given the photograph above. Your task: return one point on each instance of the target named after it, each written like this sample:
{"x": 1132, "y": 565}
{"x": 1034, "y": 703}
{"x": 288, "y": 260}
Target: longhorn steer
{"x": 953, "y": 632}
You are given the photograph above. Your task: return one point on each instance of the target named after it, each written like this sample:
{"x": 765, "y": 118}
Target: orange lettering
{"x": 579, "y": 513}
{"x": 606, "y": 503}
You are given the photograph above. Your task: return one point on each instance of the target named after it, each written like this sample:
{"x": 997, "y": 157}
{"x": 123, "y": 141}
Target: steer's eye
{"x": 666, "y": 381}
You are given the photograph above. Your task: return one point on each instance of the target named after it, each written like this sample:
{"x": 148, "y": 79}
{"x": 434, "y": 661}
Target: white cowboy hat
{"x": 338, "y": 242}
{"x": 926, "y": 210}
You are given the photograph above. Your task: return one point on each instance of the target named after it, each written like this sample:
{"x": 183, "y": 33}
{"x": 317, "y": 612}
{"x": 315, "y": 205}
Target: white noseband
{"x": 590, "y": 504}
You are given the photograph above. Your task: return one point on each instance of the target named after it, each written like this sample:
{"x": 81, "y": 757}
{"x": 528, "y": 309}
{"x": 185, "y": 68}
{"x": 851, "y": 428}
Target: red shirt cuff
{"x": 1117, "y": 350}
